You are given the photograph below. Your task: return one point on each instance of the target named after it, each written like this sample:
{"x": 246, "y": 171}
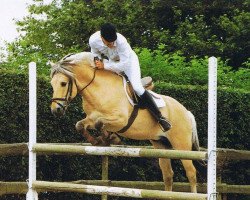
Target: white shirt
{"x": 119, "y": 56}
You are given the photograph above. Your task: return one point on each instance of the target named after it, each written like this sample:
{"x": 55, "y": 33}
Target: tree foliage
{"x": 175, "y": 68}
{"x": 188, "y": 30}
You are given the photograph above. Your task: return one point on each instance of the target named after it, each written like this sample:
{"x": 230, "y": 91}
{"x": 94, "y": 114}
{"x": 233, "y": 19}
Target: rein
{"x": 93, "y": 78}
{"x": 68, "y": 96}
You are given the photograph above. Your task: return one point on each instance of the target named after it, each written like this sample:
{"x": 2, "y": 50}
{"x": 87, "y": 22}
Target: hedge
{"x": 233, "y": 132}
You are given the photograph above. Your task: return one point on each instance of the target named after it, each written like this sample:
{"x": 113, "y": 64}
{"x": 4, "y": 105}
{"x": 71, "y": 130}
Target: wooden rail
{"x": 13, "y": 188}
{"x": 21, "y": 187}
{"x": 14, "y": 149}
{"x": 22, "y": 149}
{"x": 119, "y": 151}
{"x": 115, "y": 191}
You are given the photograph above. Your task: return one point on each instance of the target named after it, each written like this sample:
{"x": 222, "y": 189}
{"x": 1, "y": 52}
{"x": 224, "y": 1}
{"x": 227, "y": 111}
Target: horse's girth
{"x": 130, "y": 120}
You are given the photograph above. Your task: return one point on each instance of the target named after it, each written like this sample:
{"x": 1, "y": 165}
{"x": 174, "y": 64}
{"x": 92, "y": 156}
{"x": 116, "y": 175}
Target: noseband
{"x": 68, "y": 96}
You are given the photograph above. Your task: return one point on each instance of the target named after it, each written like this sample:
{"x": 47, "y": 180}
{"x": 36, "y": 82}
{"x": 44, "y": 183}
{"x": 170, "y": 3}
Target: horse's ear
{"x": 69, "y": 61}
{"x": 51, "y": 63}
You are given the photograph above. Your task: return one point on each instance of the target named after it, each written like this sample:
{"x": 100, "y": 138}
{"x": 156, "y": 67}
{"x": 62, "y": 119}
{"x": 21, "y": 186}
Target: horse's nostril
{"x": 57, "y": 112}
{"x": 58, "y": 108}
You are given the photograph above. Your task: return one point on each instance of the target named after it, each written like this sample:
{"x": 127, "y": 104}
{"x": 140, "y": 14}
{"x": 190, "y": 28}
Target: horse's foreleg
{"x": 105, "y": 139}
{"x": 92, "y": 140}
{"x": 85, "y": 124}
{"x": 81, "y": 127}
{"x": 100, "y": 127}
{"x": 191, "y": 174}
{"x": 114, "y": 139}
{"x": 108, "y": 138}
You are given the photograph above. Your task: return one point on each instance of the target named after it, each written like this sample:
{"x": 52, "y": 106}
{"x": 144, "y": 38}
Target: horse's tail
{"x": 200, "y": 165}
{"x": 195, "y": 139}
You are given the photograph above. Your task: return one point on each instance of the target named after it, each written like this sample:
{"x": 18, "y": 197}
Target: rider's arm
{"x": 94, "y": 45}
{"x": 124, "y": 52}
{"x": 95, "y": 51}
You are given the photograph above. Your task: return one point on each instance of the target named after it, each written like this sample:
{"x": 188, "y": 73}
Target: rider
{"x": 120, "y": 57}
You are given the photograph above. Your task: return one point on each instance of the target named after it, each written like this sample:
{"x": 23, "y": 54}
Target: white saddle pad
{"x": 157, "y": 98}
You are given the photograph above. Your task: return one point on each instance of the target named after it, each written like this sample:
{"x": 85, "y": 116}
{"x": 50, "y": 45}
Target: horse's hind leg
{"x": 190, "y": 173}
{"x": 165, "y": 165}
{"x": 167, "y": 173}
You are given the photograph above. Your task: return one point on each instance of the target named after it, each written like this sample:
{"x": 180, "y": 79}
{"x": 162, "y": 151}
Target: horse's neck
{"x": 108, "y": 78}
{"x": 106, "y": 86}
{"x": 108, "y": 83}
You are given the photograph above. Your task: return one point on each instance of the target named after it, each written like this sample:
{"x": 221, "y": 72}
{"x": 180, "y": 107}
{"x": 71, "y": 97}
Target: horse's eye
{"x": 63, "y": 84}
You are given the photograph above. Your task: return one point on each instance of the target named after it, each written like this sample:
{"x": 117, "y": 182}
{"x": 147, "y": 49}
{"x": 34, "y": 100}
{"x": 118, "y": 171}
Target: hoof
{"x": 114, "y": 139}
{"x": 99, "y": 126}
{"x": 102, "y": 142}
{"x": 79, "y": 126}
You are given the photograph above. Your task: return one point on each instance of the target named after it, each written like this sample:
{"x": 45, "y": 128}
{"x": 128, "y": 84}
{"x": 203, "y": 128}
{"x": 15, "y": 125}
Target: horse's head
{"x": 64, "y": 88}
{"x": 67, "y": 79}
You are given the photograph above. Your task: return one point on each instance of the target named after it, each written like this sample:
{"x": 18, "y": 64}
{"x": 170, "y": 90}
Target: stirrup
{"x": 164, "y": 124}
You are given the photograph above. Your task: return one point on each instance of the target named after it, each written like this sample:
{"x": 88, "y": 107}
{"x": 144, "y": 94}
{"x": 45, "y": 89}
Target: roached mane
{"x": 65, "y": 65}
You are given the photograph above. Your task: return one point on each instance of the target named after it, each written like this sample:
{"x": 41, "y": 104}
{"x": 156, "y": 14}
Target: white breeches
{"x": 133, "y": 73}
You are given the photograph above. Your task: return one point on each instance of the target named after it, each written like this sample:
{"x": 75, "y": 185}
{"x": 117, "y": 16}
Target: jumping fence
{"x": 105, "y": 187}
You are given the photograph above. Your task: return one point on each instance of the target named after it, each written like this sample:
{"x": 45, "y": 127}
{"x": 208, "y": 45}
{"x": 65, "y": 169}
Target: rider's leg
{"x": 134, "y": 76}
{"x": 133, "y": 73}
{"x": 148, "y": 101}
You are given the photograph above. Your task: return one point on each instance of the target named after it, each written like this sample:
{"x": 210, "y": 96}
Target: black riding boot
{"x": 147, "y": 100}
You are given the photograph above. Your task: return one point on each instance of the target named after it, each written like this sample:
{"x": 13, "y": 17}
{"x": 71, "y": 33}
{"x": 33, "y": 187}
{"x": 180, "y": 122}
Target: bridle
{"x": 93, "y": 78}
{"x": 68, "y": 97}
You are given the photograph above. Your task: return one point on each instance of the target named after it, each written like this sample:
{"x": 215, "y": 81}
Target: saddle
{"x": 147, "y": 83}
{"x": 134, "y": 99}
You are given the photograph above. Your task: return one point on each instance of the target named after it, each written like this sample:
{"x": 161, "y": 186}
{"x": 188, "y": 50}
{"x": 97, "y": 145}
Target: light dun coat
{"x": 107, "y": 108}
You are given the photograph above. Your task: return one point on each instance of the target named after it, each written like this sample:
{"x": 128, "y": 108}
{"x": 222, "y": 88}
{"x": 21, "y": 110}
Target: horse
{"x": 107, "y": 108}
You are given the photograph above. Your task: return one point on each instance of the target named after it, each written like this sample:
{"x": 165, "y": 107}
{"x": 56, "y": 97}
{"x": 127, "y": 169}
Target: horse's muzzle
{"x": 59, "y": 106}
{"x": 58, "y": 111}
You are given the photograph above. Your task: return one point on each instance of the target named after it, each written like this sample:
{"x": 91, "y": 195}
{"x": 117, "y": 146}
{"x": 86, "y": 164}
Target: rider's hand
{"x": 99, "y": 64}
